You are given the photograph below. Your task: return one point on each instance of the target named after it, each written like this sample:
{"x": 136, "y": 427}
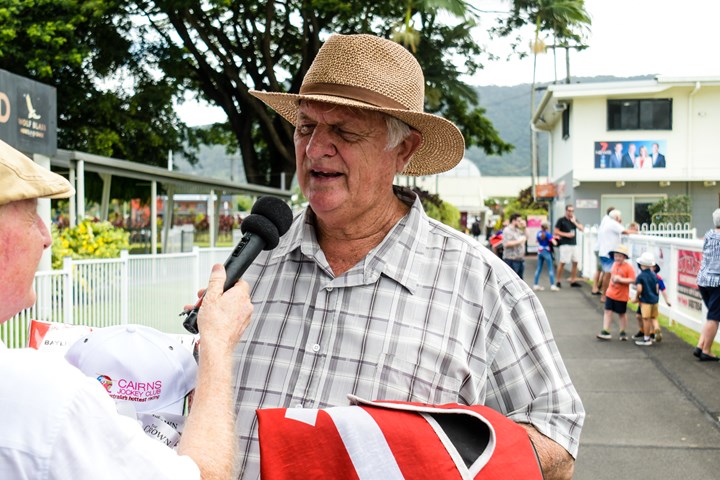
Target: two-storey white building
{"x": 629, "y": 144}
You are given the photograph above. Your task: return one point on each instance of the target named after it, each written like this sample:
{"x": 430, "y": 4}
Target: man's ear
{"x": 406, "y": 149}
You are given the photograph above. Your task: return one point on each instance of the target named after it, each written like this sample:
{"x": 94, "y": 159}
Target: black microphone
{"x": 269, "y": 219}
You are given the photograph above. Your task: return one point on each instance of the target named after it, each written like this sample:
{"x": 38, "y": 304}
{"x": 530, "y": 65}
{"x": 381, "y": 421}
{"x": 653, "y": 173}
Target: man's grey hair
{"x": 716, "y": 218}
{"x": 397, "y": 131}
{"x": 615, "y": 214}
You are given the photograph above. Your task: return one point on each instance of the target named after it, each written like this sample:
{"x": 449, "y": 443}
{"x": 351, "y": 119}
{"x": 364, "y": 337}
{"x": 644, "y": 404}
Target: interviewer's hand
{"x": 223, "y": 317}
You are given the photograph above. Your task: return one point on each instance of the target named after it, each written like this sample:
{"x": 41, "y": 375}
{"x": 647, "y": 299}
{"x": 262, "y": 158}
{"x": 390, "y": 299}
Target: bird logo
{"x": 32, "y": 113}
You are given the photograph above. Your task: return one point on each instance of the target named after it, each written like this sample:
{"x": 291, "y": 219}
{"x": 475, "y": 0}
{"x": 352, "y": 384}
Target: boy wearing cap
{"x": 617, "y": 294}
{"x": 657, "y": 336}
{"x": 647, "y": 296}
{"x": 59, "y": 424}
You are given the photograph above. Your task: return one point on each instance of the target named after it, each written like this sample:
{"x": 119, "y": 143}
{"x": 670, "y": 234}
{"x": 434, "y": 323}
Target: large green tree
{"x": 111, "y": 101}
{"x": 223, "y": 49}
{"x": 118, "y": 66}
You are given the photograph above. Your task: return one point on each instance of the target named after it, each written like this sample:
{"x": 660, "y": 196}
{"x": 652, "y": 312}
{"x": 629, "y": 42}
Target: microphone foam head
{"x": 263, "y": 228}
{"x": 276, "y": 210}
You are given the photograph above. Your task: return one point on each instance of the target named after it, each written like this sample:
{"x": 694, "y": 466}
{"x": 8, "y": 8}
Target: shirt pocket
{"x": 399, "y": 379}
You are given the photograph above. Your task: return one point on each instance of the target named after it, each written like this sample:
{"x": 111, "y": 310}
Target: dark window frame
{"x": 639, "y": 114}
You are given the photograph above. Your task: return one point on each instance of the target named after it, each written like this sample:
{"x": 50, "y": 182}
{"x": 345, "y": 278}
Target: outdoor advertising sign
{"x": 28, "y": 114}
{"x": 636, "y": 154}
{"x": 689, "y": 299}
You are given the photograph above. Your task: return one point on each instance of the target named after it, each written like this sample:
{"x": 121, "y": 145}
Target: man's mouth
{"x": 324, "y": 174}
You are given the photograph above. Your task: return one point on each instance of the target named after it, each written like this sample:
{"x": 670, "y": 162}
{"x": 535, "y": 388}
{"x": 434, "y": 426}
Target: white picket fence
{"x": 143, "y": 289}
{"x": 678, "y": 252}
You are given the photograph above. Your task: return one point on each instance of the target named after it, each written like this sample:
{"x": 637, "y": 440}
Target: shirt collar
{"x": 392, "y": 257}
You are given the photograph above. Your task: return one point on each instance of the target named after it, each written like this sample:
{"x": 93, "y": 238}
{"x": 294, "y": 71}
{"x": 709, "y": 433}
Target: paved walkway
{"x": 652, "y": 412}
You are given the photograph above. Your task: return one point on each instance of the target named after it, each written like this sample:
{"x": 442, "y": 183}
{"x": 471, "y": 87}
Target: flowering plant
{"x": 89, "y": 239}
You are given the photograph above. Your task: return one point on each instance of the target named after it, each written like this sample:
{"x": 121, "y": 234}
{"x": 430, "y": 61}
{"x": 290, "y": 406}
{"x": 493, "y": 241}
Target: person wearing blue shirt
{"x": 545, "y": 242}
{"x": 647, "y": 295}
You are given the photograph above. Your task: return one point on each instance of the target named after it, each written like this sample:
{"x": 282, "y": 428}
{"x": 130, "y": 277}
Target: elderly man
{"x": 367, "y": 295}
{"x": 58, "y": 423}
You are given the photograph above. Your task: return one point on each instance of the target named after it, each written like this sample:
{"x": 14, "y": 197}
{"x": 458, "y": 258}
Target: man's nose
{"x": 44, "y": 232}
{"x": 321, "y": 143}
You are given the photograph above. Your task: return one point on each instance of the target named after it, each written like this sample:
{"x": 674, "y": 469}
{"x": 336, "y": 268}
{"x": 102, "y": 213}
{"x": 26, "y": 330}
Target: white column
{"x": 43, "y": 209}
{"x": 153, "y": 217}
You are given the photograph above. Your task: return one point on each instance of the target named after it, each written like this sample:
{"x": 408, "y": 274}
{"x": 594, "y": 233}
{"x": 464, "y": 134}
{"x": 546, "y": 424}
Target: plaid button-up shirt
{"x": 429, "y": 315}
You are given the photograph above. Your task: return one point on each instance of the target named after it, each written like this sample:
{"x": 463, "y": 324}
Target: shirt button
{"x": 316, "y": 348}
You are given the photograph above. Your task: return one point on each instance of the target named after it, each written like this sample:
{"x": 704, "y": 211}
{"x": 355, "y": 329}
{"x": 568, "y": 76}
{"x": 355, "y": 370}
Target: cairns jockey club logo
{"x": 105, "y": 381}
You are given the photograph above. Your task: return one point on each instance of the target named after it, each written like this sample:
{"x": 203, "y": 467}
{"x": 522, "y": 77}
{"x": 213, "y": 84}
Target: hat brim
{"x": 613, "y": 252}
{"x": 442, "y": 147}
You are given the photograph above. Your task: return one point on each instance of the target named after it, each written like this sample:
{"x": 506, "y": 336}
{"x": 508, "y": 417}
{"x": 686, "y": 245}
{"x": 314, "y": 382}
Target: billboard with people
{"x": 638, "y": 154}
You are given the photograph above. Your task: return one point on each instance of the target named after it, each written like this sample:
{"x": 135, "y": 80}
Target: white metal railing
{"x": 679, "y": 260}
{"x": 144, "y": 289}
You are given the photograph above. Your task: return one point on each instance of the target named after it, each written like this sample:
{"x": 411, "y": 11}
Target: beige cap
{"x": 22, "y": 179}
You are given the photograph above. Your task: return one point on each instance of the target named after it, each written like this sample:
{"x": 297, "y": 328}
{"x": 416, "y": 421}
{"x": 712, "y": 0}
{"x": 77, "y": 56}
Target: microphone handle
{"x": 249, "y": 247}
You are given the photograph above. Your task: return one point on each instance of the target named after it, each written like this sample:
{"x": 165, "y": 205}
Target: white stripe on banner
{"x": 365, "y": 443}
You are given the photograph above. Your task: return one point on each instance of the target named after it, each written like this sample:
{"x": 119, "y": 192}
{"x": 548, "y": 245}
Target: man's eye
{"x": 304, "y": 129}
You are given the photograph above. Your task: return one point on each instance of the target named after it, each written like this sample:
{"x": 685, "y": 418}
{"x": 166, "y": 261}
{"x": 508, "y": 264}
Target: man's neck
{"x": 346, "y": 241}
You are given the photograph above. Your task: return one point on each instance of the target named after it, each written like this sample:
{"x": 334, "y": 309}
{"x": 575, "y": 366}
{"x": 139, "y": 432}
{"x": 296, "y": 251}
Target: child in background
{"x": 647, "y": 295}
{"x": 622, "y": 274}
{"x": 656, "y": 325}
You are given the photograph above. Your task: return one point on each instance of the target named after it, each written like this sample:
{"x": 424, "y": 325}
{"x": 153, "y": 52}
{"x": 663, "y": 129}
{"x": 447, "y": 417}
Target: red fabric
{"x": 291, "y": 449}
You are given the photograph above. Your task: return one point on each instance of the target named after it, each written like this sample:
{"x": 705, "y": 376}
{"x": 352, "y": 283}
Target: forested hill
{"x": 508, "y": 108}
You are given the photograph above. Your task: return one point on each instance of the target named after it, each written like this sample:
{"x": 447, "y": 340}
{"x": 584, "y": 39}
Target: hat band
{"x": 352, "y": 93}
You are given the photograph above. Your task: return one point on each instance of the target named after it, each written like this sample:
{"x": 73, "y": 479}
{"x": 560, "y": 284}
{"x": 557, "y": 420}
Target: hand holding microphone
{"x": 269, "y": 219}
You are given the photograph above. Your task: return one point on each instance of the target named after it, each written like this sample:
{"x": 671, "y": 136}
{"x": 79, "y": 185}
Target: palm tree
{"x": 566, "y": 21}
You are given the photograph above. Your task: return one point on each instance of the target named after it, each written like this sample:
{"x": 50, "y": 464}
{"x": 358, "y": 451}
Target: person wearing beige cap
{"x": 58, "y": 423}
{"x": 367, "y": 295}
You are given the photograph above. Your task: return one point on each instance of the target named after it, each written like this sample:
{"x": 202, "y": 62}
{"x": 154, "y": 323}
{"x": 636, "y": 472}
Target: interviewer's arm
{"x": 209, "y": 434}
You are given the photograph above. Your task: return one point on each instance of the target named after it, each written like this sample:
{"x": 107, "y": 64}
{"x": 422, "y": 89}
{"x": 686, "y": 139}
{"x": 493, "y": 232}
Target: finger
{"x": 216, "y": 282}
{"x": 201, "y": 292}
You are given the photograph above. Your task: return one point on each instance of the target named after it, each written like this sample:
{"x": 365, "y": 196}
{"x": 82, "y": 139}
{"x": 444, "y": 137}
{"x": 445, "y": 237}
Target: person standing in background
{"x": 514, "y": 240}
{"x": 566, "y": 235}
{"x": 618, "y": 293}
{"x": 708, "y": 280}
{"x": 545, "y": 243}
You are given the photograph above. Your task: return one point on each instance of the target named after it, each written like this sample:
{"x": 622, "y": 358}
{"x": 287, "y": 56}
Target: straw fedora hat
{"x": 372, "y": 73}
{"x": 620, "y": 249}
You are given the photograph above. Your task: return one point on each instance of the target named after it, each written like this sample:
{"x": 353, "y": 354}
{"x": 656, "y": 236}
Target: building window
{"x": 647, "y": 114}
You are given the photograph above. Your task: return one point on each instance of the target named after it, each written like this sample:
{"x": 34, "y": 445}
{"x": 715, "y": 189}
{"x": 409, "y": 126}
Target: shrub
{"x": 89, "y": 239}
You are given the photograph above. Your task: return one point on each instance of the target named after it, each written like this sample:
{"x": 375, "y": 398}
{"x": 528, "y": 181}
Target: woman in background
{"x": 708, "y": 280}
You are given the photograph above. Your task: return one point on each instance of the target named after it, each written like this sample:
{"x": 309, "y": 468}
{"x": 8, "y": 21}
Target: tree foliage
{"x": 671, "y": 210}
{"x": 119, "y": 66}
{"x": 111, "y": 101}
{"x": 223, "y": 49}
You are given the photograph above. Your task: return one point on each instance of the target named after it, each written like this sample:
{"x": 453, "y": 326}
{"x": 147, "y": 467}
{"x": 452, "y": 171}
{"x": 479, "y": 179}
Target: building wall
{"x": 692, "y": 155}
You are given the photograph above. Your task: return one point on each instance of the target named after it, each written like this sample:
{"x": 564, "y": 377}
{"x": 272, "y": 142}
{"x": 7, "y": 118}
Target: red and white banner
{"x": 394, "y": 440}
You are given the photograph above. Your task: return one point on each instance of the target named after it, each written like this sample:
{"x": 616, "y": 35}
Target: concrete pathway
{"x": 652, "y": 412}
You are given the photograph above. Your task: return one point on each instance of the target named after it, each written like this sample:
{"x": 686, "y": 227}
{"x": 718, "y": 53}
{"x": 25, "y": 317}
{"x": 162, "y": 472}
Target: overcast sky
{"x": 628, "y": 38}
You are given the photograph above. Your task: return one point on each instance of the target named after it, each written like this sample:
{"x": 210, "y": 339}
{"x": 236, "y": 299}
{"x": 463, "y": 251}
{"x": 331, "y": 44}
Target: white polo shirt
{"x": 56, "y": 423}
